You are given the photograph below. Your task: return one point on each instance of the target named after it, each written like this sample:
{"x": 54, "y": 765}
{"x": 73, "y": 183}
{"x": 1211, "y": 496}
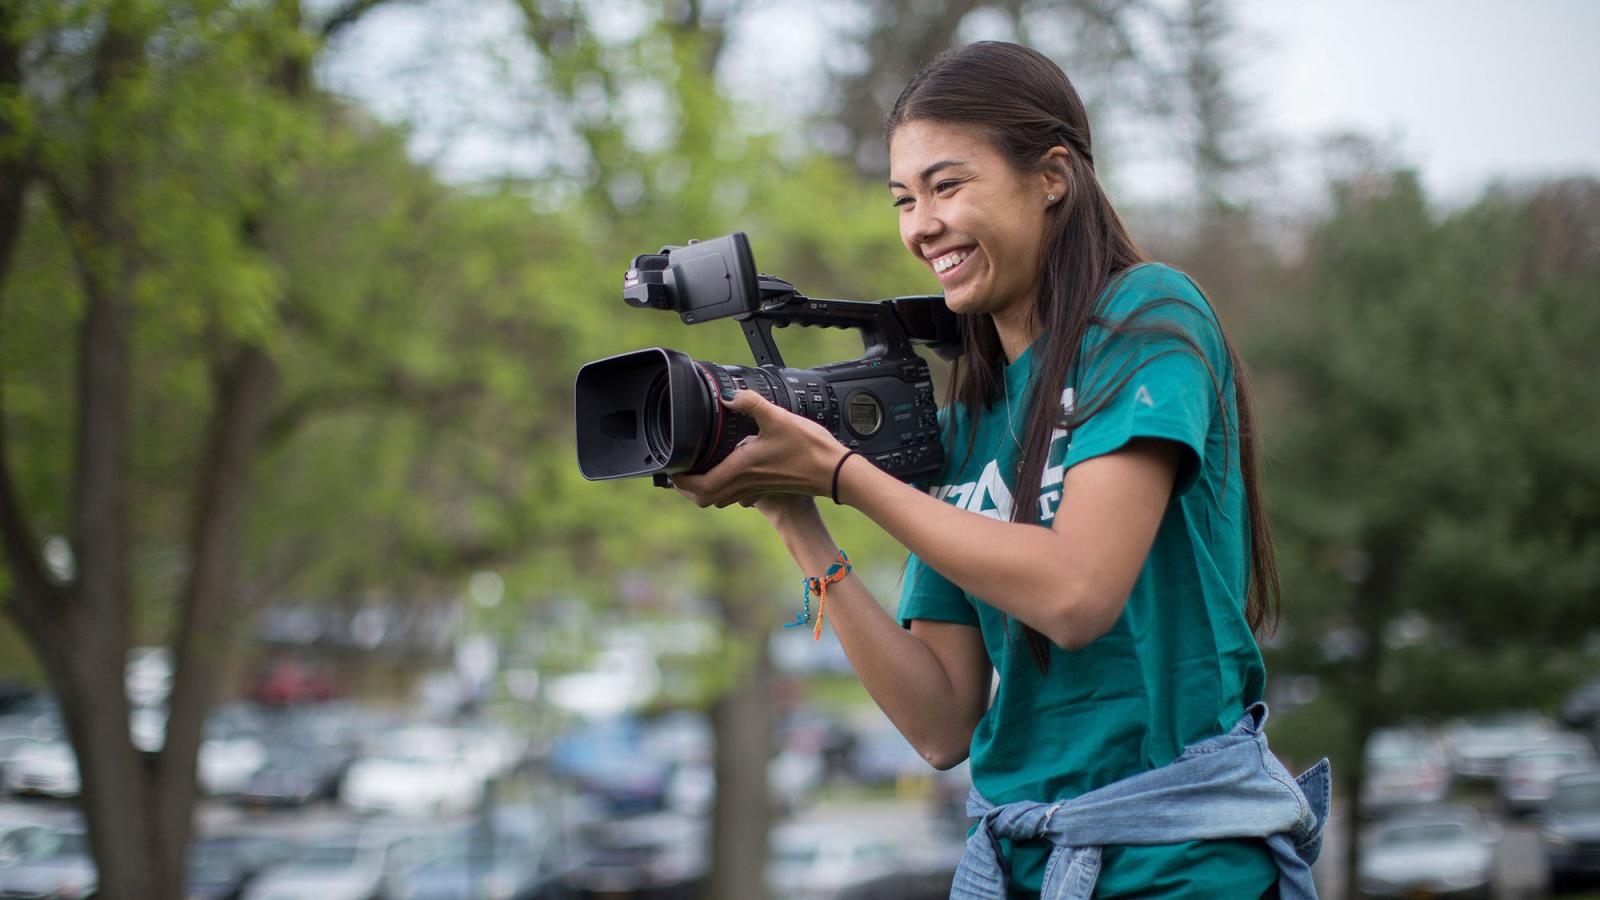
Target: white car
{"x": 492, "y": 751}
{"x": 421, "y": 772}
{"x": 343, "y": 868}
{"x": 43, "y": 767}
{"x": 1443, "y": 851}
{"x": 822, "y": 859}
{"x": 1405, "y": 767}
{"x": 1530, "y": 776}
{"x": 792, "y": 778}
{"x": 226, "y": 765}
{"x": 1479, "y": 747}
{"x": 55, "y": 864}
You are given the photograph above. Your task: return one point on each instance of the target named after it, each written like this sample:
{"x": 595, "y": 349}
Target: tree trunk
{"x": 74, "y": 630}
{"x": 138, "y": 811}
{"x": 743, "y": 722}
{"x": 1373, "y": 599}
{"x": 244, "y": 395}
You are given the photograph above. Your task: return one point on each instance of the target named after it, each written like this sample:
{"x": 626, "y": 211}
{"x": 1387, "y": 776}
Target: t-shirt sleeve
{"x": 1155, "y": 368}
{"x": 926, "y": 594}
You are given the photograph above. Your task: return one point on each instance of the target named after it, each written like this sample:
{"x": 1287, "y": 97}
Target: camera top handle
{"x": 717, "y": 278}
{"x": 888, "y": 327}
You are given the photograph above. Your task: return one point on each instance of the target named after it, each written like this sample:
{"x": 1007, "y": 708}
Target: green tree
{"x": 160, "y": 326}
{"x": 1436, "y": 489}
{"x": 295, "y": 363}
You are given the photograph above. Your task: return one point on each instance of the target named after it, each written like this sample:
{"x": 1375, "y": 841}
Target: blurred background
{"x": 305, "y": 596}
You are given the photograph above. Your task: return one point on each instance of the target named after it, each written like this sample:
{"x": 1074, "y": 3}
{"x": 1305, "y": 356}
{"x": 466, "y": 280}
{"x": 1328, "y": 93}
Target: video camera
{"x": 657, "y": 412}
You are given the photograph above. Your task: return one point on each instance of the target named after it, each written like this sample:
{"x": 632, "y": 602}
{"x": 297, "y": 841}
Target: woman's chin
{"x": 964, "y": 302}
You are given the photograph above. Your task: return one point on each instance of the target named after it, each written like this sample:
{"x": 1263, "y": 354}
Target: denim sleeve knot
{"x": 1226, "y": 787}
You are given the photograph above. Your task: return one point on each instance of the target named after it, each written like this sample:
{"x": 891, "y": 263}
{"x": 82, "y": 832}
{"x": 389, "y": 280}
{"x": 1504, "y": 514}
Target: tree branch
{"x": 20, "y": 545}
{"x": 346, "y": 15}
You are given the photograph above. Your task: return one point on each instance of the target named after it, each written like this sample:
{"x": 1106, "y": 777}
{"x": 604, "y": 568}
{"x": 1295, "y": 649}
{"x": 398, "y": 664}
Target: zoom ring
{"x": 737, "y": 426}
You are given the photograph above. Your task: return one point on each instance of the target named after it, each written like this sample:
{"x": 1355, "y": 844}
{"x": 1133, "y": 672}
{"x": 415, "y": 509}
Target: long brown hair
{"x": 1026, "y": 106}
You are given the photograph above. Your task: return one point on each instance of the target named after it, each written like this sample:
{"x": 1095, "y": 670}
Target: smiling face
{"x": 971, "y": 218}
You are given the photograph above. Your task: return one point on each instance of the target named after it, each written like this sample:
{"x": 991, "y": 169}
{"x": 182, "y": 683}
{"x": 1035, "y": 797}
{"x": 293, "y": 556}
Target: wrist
{"x": 796, "y": 512}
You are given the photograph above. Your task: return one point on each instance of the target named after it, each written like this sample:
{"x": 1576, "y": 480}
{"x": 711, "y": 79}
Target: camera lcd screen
{"x": 865, "y": 414}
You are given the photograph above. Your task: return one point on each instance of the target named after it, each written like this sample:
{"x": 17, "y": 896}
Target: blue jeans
{"x": 1226, "y": 787}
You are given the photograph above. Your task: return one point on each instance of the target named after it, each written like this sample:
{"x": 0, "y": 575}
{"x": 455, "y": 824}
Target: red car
{"x": 286, "y": 682}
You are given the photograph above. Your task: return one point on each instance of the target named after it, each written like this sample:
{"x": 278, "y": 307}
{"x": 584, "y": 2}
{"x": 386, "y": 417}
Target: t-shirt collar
{"x": 1017, "y": 371}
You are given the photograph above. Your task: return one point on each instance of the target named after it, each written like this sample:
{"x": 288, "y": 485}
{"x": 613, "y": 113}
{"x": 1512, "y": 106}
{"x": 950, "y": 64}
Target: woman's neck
{"x": 1016, "y": 330}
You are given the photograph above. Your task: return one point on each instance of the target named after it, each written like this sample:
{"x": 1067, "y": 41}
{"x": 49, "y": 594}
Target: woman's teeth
{"x": 950, "y": 260}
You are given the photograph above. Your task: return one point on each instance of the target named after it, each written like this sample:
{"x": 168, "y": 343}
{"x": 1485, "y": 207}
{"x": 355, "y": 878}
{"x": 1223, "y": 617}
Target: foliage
{"x": 1436, "y": 493}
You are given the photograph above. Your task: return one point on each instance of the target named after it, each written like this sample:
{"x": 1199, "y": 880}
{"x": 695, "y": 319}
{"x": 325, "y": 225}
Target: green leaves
{"x": 1429, "y": 395}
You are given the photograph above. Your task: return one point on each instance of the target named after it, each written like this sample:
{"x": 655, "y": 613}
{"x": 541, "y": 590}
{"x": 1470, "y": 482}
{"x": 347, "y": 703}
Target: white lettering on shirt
{"x": 991, "y": 490}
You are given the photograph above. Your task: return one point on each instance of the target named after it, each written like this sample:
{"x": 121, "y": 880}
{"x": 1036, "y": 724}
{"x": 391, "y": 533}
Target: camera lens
{"x": 658, "y": 418}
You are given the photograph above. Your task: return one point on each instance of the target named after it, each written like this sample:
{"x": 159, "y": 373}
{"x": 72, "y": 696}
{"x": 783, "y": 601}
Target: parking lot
{"x": 310, "y": 796}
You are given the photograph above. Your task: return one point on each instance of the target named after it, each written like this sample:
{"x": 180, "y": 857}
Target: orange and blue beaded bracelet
{"x": 819, "y": 586}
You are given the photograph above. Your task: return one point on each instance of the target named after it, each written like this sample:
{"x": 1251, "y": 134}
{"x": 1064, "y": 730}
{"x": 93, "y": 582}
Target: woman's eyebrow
{"x": 929, "y": 171}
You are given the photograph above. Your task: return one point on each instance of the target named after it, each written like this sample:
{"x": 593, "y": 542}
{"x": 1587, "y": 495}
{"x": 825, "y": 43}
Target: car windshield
{"x": 1550, "y": 759}
{"x": 1397, "y": 762}
{"x": 1577, "y": 797}
{"x": 1431, "y": 833}
{"x": 795, "y": 854}
{"x": 329, "y": 856}
{"x": 68, "y": 843}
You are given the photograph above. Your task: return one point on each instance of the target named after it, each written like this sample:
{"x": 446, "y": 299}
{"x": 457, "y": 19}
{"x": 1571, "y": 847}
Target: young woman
{"x": 1097, "y": 537}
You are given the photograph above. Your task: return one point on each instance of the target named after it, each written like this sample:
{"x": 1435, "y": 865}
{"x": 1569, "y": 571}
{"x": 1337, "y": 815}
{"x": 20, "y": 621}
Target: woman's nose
{"x": 924, "y": 225}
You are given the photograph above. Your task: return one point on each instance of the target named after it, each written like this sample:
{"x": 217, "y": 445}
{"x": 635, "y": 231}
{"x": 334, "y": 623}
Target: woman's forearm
{"x": 903, "y": 674}
{"x": 1019, "y": 569}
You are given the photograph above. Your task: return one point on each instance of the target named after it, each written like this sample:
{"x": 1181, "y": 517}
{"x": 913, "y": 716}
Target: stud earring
{"x": 1050, "y": 198}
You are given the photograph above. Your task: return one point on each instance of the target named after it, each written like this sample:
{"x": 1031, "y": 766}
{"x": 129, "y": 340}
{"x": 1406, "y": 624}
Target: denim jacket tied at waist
{"x": 1229, "y": 786}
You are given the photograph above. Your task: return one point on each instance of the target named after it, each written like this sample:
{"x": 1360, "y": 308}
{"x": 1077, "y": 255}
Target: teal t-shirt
{"x": 1180, "y": 664}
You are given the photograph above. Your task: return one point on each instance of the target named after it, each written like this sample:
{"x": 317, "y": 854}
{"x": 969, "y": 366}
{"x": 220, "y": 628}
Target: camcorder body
{"x": 656, "y": 411}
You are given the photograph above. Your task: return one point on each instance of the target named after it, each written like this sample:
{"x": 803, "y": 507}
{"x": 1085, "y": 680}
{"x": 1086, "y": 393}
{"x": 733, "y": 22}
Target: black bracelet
{"x": 836, "y": 469}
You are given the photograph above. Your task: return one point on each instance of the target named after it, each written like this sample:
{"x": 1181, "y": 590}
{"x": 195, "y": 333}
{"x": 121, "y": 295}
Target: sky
{"x": 1466, "y": 91}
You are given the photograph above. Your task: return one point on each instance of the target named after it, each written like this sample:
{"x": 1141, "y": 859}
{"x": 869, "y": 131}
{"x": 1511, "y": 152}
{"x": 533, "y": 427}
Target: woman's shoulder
{"x": 1159, "y": 297}
{"x": 1150, "y": 281}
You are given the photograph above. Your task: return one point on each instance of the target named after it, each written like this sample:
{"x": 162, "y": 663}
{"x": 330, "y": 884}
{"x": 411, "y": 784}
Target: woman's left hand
{"x": 790, "y": 454}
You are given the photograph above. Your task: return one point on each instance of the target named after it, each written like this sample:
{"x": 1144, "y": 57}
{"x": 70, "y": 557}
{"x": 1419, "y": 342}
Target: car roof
{"x": 1435, "y": 815}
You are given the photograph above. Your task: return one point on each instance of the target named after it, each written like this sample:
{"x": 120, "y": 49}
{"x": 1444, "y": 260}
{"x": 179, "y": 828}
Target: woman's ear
{"x": 1053, "y": 169}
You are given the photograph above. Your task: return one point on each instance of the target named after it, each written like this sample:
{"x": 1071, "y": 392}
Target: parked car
{"x": 147, "y": 676}
{"x": 56, "y": 865}
{"x": 343, "y": 867}
{"x": 20, "y": 840}
{"x": 814, "y": 860}
{"x": 1479, "y": 747}
{"x": 474, "y": 866}
{"x": 221, "y": 866}
{"x": 663, "y": 855}
{"x": 1530, "y": 776}
{"x": 947, "y": 801}
{"x": 225, "y": 765}
{"x": 792, "y": 779}
{"x": 47, "y": 768}
{"x": 883, "y": 756}
{"x": 1581, "y": 708}
{"x": 288, "y": 779}
{"x": 1405, "y": 767}
{"x": 1444, "y": 851}
{"x": 287, "y": 681}
{"x": 1569, "y": 826}
{"x": 425, "y": 773}
{"x": 36, "y": 716}
{"x": 15, "y": 695}
{"x": 608, "y": 760}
